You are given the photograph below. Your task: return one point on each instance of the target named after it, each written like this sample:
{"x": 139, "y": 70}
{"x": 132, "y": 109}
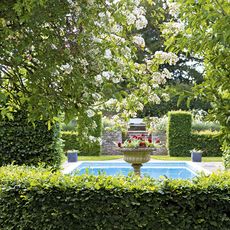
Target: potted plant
{"x": 137, "y": 150}
{"x": 196, "y": 155}
{"x": 72, "y": 155}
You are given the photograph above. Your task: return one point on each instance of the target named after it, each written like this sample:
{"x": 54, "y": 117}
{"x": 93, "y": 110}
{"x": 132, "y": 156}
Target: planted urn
{"x": 137, "y": 150}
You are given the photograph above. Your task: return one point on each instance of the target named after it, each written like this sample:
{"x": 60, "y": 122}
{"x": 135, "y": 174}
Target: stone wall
{"x": 162, "y": 150}
{"x": 108, "y": 146}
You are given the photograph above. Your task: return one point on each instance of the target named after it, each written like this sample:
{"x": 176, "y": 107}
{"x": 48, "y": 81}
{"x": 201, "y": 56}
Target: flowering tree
{"x": 76, "y": 57}
{"x": 203, "y": 29}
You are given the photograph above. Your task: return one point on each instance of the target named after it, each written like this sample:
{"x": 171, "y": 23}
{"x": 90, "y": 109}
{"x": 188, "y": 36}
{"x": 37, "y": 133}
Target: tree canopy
{"x": 74, "y": 56}
{"x": 203, "y": 29}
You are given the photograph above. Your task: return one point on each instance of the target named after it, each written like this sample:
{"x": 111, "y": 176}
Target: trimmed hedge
{"x": 178, "y": 133}
{"x": 208, "y": 142}
{"x": 70, "y": 140}
{"x": 22, "y": 143}
{"x": 88, "y": 148}
{"x": 39, "y": 199}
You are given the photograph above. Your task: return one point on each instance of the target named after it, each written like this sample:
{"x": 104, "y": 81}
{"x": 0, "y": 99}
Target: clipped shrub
{"x": 208, "y": 142}
{"x": 23, "y": 143}
{"x": 70, "y": 141}
{"x": 38, "y": 199}
{"x": 179, "y": 133}
{"x": 91, "y": 145}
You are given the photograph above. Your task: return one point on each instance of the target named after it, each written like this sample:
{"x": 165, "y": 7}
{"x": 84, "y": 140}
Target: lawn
{"x": 165, "y": 158}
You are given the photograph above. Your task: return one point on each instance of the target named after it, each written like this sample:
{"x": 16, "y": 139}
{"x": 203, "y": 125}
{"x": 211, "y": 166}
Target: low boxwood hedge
{"x": 38, "y": 199}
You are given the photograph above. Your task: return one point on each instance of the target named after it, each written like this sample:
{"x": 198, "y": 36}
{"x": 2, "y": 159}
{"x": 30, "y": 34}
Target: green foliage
{"x": 90, "y": 145}
{"x": 178, "y": 133}
{"x": 39, "y": 199}
{"x": 70, "y": 140}
{"x": 23, "y": 143}
{"x": 206, "y": 34}
{"x": 71, "y": 126}
{"x": 208, "y": 142}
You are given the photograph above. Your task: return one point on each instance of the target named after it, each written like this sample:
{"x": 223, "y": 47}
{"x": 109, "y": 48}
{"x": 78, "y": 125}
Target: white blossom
{"x": 166, "y": 73}
{"x": 67, "y": 68}
{"x": 141, "y": 22}
{"x": 137, "y": 2}
{"x": 92, "y": 138}
{"x": 98, "y": 40}
{"x": 131, "y": 18}
{"x": 162, "y": 56}
{"x": 139, "y": 41}
{"x": 115, "y": 80}
{"x": 165, "y": 96}
{"x": 55, "y": 73}
{"x": 117, "y": 28}
{"x": 145, "y": 88}
{"x": 108, "y": 54}
{"x": 126, "y": 51}
{"x": 116, "y": 1}
{"x": 172, "y": 28}
{"x": 138, "y": 11}
{"x": 154, "y": 98}
{"x": 96, "y": 96}
{"x": 173, "y": 8}
{"x": 98, "y": 78}
{"x": 101, "y": 14}
{"x": 111, "y": 101}
{"x": 107, "y": 74}
{"x": 90, "y": 113}
{"x": 84, "y": 62}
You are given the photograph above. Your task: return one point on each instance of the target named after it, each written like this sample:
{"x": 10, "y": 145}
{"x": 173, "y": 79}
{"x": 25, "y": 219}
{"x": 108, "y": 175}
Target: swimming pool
{"x": 174, "y": 170}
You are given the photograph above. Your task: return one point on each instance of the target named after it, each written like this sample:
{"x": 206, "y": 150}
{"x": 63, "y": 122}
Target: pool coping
{"x": 195, "y": 166}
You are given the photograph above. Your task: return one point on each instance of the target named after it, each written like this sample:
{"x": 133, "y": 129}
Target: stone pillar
{"x": 109, "y": 140}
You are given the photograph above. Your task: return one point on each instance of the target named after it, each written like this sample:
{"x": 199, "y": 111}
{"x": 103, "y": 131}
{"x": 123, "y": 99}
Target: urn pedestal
{"x": 136, "y": 157}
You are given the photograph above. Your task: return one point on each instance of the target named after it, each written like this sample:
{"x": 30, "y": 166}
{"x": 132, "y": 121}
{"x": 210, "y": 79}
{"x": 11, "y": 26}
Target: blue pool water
{"x": 155, "y": 170}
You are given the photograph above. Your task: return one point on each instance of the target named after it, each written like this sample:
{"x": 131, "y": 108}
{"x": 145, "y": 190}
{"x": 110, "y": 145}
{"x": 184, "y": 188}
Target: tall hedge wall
{"x": 88, "y": 147}
{"x": 178, "y": 133}
{"x": 208, "y": 142}
{"x": 37, "y": 199}
{"x": 22, "y": 143}
{"x": 70, "y": 140}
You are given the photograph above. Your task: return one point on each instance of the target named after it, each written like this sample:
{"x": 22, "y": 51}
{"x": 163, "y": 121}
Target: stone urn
{"x": 136, "y": 157}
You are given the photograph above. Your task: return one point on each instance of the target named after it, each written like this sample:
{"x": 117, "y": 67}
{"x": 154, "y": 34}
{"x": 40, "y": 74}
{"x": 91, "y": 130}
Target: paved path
{"x": 212, "y": 166}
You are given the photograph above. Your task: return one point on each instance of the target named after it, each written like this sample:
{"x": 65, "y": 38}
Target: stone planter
{"x": 136, "y": 157}
{"x": 72, "y": 155}
{"x": 196, "y": 156}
